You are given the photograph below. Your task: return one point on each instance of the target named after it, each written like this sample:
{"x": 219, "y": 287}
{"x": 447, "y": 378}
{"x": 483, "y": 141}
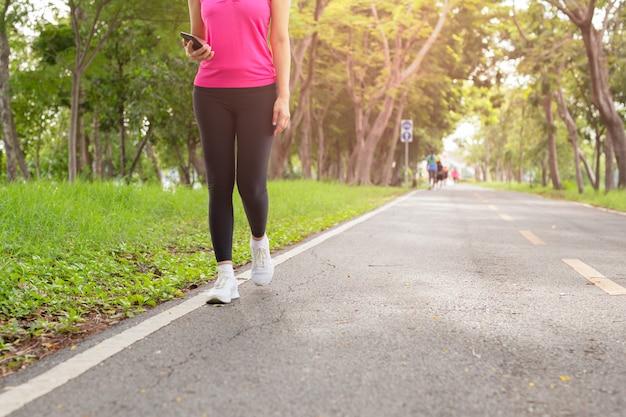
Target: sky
{"x": 464, "y": 130}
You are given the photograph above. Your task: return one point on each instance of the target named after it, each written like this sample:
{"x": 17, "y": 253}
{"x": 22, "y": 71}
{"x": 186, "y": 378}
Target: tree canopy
{"x": 102, "y": 90}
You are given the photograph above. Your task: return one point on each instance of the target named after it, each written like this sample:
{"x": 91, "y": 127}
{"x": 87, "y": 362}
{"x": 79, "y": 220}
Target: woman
{"x": 241, "y": 101}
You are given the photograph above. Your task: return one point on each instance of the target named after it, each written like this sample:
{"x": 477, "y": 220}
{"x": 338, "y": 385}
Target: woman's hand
{"x": 281, "y": 116}
{"x": 279, "y": 40}
{"x": 202, "y": 54}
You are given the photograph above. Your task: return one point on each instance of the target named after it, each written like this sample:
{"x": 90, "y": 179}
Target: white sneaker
{"x": 262, "y": 265}
{"x": 224, "y": 291}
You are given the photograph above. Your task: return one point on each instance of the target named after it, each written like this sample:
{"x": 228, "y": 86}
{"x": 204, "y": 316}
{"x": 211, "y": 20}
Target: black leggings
{"x": 237, "y": 134}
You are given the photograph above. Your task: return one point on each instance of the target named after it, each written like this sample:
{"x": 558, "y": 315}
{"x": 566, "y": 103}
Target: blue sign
{"x": 406, "y": 130}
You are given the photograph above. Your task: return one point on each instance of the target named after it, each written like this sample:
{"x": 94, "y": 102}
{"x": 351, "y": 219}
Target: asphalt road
{"x": 454, "y": 302}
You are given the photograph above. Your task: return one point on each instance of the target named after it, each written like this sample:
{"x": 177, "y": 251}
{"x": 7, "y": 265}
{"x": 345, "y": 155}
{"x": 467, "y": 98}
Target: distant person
{"x": 455, "y": 174}
{"x": 240, "y": 101}
{"x": 431, "y": 165}
{"x": 439, "y": 174}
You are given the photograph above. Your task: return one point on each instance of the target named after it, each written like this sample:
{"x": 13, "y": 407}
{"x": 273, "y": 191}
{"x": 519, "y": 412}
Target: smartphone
{"x": 188, "y": 36}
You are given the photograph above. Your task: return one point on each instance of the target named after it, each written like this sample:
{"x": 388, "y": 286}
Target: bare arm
{"x": 279, "y": 41}
{"x": 198, "y": 30}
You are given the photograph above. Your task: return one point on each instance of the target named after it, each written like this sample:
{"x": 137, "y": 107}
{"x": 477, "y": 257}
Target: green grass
{"x": 70, "y": 254}
{"x": 614, "y": 200}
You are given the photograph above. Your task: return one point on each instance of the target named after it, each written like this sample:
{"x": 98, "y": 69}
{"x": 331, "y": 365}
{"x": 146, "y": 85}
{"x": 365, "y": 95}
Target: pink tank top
{"x": 237, "y": 31}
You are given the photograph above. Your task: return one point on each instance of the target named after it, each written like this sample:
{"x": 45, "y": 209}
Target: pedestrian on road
{"x": 455, "y": 174}
{"x": 431, "y": 165}
{"x": 240, "y": 101}
{"x": 439, "y": 172}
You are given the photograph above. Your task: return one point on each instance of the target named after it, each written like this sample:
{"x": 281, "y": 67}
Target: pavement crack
{"x": 275, "y": 320}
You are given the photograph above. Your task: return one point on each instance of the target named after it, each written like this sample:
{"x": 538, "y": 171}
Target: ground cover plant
{"x": 613, "y": 200}
{"x": 77, "y": 258}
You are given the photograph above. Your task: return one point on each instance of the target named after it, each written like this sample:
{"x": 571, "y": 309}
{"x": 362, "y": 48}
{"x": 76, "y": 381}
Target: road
{"x": 454, "y": 302}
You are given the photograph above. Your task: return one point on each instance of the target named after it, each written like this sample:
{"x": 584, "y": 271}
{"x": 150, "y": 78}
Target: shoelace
{"x": 221, "y": 280}
{"x": 259, "y": 257}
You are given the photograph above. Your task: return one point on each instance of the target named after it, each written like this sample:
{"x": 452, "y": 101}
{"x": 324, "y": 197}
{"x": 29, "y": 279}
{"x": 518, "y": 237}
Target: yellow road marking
{"x": 532, "y": 237}
{"x": 481, "y": 198}
{"x": 505, "y": 217}
{"x": 492, "y": 207}
{"x": 595, "y": 277}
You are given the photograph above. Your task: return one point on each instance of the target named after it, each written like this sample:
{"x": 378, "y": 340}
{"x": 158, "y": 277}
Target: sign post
{"x": 406, "y": 136}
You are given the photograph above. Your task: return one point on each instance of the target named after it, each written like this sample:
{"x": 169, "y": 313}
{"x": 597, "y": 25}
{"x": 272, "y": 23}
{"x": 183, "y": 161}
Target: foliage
{"x": 139, "y": 78}
{"x": 548, "y": 54}
{"x": 491, "y": 64}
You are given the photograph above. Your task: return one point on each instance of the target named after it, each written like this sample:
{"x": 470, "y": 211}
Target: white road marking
{"x": 534, "y": 239}
{"x": 16, "y": 397}
{"x": 595, "y": 277}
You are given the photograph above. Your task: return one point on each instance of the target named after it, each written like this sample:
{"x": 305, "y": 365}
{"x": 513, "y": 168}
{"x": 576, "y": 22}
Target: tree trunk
{"x": 304, "y": 150}
{"x": 375, "y": 131}
{"x": 552, "y": 157}
{"x": 122, "y": 128}
{"x": 322, "y": 150}
{"x": 15, "y": 156}
{"x": 599, "y": 149}
{"x": 183, "y": 169}
{"x": 97, "y": 146}
{"x": 572, "y": 133}
{"x": 496, "y": 171}
{"x": 521, "y": 144}
{"x": 339, "y": 163}
{"x": 359, "y": 133}
{"x": 195, "y": 157}
{"x": 38, "y": 144}
{"x": 84, "y": 155}
{"x": 588, "y": 169}
{"x": 280, "y": 153}
{"x": 306, "y": 127}
{"x": 153, "y": 158}
{"x": 109, "y": 168}
{"x": 137, "y": 156}
{"x": 487, "y": 162}
{"x": 388, "y": 168}
{"x": 74, "y": 115}
{"x": 139, "y": 150}
{"x": 609, "y": 169}
{"x": 320, "y": 140}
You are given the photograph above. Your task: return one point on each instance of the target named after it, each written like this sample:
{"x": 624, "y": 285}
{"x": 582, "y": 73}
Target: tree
{"x": 403, "y": 38}
{"x": 582, "y": 14}
{"x": 305, "y": 40}
{"x": 572, "y": 130}
{"x": 9, "y": 15}
{"x": 92, "y": 22}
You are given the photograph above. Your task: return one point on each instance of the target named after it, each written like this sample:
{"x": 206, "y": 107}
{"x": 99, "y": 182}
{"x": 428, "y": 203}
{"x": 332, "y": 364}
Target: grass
{"x": 76, "y": 258}
{"x": 614, "y": 200}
